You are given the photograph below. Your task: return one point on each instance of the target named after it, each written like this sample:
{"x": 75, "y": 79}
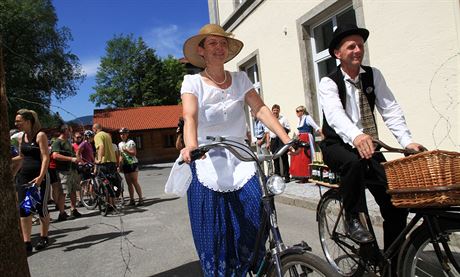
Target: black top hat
{"x": 344, "y": 31}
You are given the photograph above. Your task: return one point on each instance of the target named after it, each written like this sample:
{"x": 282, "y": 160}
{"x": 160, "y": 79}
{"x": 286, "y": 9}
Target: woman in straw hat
{"x": 224, "y": 193}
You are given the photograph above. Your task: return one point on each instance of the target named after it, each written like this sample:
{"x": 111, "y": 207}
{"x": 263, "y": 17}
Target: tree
{"x": 131, "y": 74}
{"x": 13, "y": 259}
{"x": 37, "y": 63}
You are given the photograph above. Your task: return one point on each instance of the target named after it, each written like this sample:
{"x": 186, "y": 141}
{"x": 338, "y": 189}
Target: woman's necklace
{"x": 212, "y": 79}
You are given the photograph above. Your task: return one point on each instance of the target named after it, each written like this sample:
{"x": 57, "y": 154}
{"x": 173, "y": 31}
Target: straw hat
{"x": 191, "y": 44}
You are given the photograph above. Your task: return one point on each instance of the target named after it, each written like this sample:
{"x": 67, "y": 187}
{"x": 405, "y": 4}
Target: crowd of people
{"x": 47, "y": 165}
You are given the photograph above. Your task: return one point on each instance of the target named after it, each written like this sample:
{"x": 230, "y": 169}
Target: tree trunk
{"x": 13, "y": 259}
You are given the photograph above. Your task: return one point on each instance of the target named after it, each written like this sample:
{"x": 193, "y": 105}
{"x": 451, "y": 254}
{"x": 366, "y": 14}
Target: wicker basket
{"x": 428, "y": 179}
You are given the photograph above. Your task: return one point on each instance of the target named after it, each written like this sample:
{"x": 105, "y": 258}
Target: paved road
{"x": 153, "y": 240}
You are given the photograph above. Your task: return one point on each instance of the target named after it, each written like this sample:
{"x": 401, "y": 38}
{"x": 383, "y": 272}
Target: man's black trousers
{"x": 356, "y": 174}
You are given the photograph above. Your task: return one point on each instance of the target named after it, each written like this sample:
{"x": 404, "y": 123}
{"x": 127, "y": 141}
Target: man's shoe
{"x": 28, "y": 246}
{"x": 357, "y": 232}
{"x": 287, "y": 179}
{"x": 76, "y": 213}
{"x": 43, "y": 243}
{"x": 140, "y": 202}
{"x": 62, "y": 217}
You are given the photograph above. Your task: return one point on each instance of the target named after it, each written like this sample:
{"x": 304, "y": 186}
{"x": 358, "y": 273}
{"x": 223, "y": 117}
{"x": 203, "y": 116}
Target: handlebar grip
{"x": 196, "y": 154}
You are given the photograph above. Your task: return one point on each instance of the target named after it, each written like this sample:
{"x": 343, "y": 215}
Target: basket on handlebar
{"x": 427, "y": 179}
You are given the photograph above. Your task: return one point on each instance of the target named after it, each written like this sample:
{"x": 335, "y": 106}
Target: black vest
{"x": 367, "y": 80}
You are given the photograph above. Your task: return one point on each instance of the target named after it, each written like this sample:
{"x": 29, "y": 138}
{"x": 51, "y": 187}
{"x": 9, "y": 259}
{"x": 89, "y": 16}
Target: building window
{"x": 170, "y": 141}
{"x": 237, "y": 3}
{"x": 321, "y": 33}
{"x": 252, "y": 70}
{"x": 138, "y": 141}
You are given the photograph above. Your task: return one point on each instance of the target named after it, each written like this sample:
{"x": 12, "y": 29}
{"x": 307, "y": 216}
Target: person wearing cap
{"x": 66, "y": 164}
{"x": 128, "y": 162}
{"x": 348, "y": 97}
{"x": 224, "y": 196}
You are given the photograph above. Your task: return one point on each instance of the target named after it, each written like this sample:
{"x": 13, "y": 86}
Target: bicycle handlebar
{"x": 233, "y": 145}
{"x": 398, "y": 150}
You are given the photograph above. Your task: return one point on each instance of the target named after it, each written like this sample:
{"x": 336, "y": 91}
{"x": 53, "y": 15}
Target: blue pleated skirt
{"x": 224, "y": 226}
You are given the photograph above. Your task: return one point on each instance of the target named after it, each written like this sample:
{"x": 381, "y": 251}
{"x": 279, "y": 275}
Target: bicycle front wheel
{"x": 88, "y": 195}
{"x": 305, "y": 264}
{"x": 418, "y": 257}
{"x": 340, "y": 251}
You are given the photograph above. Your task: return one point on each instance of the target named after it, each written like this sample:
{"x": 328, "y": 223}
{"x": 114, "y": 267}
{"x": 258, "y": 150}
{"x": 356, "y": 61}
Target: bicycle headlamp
{"x": 276, "y": 184}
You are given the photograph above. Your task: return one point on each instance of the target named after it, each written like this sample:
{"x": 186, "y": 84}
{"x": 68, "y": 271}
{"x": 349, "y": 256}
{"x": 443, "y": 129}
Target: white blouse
{"x": 221, "y": 113}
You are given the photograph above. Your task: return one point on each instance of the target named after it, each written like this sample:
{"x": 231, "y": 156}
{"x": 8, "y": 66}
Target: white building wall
{"x": 414, "y": 43}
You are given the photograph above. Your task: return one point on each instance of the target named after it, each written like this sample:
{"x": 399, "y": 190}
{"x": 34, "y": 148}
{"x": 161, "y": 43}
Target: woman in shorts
{"x": 129, "y": 164}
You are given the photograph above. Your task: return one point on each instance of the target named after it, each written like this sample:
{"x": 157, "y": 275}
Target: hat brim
{"x": 364, "y": 33}
{"x": 191, "y": 46}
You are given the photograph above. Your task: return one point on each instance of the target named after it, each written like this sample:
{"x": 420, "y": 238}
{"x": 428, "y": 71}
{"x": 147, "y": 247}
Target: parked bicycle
{"x": 428, "y": 246}
{"x": 279, "y": 259}
{"x": 99, "y": 188}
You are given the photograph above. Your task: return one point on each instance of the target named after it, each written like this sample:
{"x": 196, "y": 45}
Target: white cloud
{"x": 89, "y": 67}
{"x": 167, "y": 40}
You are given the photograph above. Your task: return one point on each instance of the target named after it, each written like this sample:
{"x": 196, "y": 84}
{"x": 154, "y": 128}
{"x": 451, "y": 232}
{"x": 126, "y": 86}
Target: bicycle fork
{"x": 438, "y": 237}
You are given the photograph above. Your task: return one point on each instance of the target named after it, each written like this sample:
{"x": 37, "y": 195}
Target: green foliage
{"x": 131, "y": 75}
{"x": 37, "y": 62}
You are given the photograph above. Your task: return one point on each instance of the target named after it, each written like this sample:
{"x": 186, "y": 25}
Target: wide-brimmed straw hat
{"x": 191, "y": 44}
{"x": 344, "y": 31}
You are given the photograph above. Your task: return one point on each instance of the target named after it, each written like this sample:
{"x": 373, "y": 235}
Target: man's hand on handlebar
{"x": 365, "y": 146}
{"x": 416, "y": 147}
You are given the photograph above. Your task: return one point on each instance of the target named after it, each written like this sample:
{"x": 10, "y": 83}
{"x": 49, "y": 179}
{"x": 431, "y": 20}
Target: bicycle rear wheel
{"x": 340, "y": 251}
{"x": 88, "y": 195}
{"x": 103, "y": 202}
{"x": 418, "y": 258}
{"x": 305, "y": 264}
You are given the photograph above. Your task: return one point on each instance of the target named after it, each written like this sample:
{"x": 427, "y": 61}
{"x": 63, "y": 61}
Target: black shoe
{"x": 356, "y": 231}
{"x": 140, "y": 202}
{"x": 287, "y": 179}
{"x": 62, "y": 217}
{"x": 76, "y": 213}
{"x": 28, "y": 246}
{"x": 43, "y": 243}
{"x": 131, "y": 203}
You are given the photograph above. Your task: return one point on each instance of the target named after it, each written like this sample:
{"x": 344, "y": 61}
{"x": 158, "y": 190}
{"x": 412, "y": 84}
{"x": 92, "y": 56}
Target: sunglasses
{"x": 298, "y": 111}
{"x": 78, "y": 137}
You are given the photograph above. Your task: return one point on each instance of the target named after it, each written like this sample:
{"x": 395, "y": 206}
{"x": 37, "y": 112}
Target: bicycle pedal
{"x": 303, "y": 245}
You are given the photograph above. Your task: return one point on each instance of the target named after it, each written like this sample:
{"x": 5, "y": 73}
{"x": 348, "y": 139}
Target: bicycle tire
{"x": 103, "y": 202}
{"x": 306, "y": 264}
{"x": 417, "y": 256}
{"x": 344, "y": 262}
{"x": 88, "y": 195}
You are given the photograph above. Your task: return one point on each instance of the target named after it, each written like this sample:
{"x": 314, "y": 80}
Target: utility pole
{"x": 13, "y": 258}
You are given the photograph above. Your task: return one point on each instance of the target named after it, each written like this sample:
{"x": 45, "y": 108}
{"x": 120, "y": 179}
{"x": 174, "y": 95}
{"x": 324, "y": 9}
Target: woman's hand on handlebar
{"x": 186, "y": 153}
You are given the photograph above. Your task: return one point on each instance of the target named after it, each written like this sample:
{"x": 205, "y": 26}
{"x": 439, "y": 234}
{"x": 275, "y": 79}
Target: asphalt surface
{"x": 155, "y": 239}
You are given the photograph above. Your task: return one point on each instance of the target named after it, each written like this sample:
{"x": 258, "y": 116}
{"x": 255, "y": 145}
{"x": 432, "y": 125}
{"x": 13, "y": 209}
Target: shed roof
{"x": 139, "y": 118}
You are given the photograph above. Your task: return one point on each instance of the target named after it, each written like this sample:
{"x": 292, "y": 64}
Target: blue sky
{"x": 163, "y": 24}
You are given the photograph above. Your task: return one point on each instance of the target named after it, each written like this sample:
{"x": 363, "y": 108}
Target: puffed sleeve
{"x": 189, "y": 86}
{"x": 245, "y": 84}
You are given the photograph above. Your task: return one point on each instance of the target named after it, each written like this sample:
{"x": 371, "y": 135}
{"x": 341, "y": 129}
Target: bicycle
{"x": 425, "y": 248}
{"x": 99, "y": 188}
{"x": 279, "y": 260}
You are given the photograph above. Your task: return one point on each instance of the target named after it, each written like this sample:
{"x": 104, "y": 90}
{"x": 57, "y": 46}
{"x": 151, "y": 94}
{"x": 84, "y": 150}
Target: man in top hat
{"x": 348, "y": 97}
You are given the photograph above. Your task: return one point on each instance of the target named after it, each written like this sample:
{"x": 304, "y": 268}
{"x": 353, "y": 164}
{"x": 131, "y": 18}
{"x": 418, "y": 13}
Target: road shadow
{"x": 84, "y": 242}
{"x": 155, "y": 167}
{"x": 192, "y": 269}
